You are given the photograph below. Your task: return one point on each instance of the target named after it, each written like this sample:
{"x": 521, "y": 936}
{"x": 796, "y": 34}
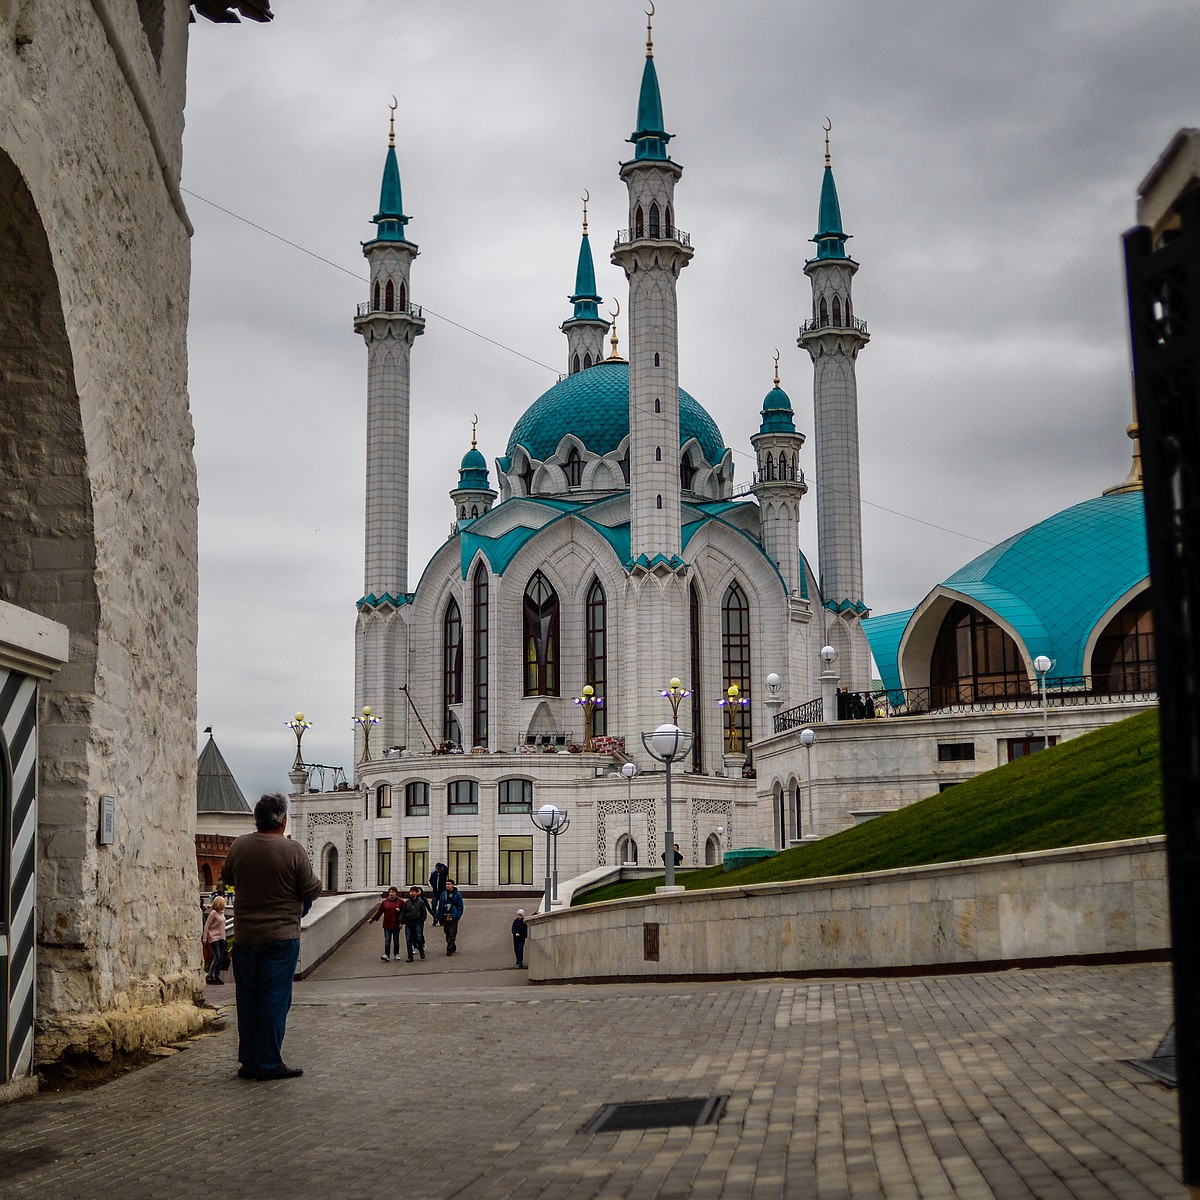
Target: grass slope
{"x": 1101, "y": 787}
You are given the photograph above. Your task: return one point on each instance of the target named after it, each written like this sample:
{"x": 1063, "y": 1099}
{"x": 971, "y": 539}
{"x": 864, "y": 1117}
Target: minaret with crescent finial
{"x": 389, "y": 323}
{"x": 474, "y": 494}
{"x": 833, "y": 336}
{"x": 586, "y": 328}
{"x": 652, "y": 251}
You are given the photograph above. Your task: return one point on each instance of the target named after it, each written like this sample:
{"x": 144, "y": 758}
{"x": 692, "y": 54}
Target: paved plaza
{"x": 455, "y": 1077}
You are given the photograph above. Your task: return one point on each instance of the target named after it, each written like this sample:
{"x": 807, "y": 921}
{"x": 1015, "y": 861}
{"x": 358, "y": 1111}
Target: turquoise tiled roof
{"x": 594, "y": 405}
{"x": 585, "y": 298}
{"x": 831, "y": 238}
{"x": 473, "y": 473}
{"x": 1051, "y": 582}
{"x": 390, "y": 218}
{"x": 883, "y": 635}
{"x": 777, "y": 412}
{"x": 649, "y": 137}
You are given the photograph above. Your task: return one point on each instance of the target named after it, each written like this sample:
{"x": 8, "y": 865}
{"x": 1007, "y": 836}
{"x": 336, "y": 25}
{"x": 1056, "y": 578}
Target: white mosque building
{"x": 616, "y": 553}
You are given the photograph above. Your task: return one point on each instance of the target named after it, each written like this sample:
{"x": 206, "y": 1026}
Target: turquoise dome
{"x": 777, "y": 412}
{"x": 1052, "y": 582}
{"x": 593, "y": 404}
{"x": 473, "y": 473}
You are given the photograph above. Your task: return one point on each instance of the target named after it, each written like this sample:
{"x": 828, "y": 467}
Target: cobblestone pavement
{"x": 456, "y": 1079}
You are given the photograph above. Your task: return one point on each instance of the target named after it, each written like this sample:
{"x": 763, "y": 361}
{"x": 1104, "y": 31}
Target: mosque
{"x": 617, "y": 576}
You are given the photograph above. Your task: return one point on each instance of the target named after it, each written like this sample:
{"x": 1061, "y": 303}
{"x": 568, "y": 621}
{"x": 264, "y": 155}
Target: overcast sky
{"x": 987, "y": 158}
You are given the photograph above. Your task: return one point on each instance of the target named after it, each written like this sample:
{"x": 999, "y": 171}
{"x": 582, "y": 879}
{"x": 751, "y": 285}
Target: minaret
{"x": 652, "y": 252}
{"x": 388, "y": 323}
{"x": 779, "y": 482}
{"x": 833, "y": 337}
{"x": 474, "y": 494}
{"x": 585, "y": 330}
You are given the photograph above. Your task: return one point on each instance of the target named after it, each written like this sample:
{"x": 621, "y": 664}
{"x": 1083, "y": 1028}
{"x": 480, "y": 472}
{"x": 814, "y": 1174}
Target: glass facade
{"x": 516, "y": 859}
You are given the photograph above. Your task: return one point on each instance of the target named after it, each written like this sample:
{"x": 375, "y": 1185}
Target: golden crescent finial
{"x": 828, "y": 127}
{"x": 613, "y": 340}
{"x": 587, "y": 195}
{"x": 776, "y": 367}
{"x": 474, "y": 422}
{"x": 392, "y": 122}
{"x": 650, "y": 31}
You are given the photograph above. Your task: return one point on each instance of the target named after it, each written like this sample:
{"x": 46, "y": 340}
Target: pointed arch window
{"x": 656, "y": 362}
{"x": 526, "y": 478}
{"x": 670, "y": 224}
{"x": 974, "y": 659}
{"x": 375, "y": 297}
{"x": 479, "y": 657}
{"x": 783, "y": 466}
{"x": 654, "y": 221}
{"x": 540, "y": 611}
{"x": 1124, "y": 659}
{"x": 735, "y": 653}
{"x": 625, "y": 466}
{"x": 658, "y": 503}
{"x": 389, "y": 297}
{"x": 574, "y": 467}
{"x": 474, "y": 511}
{"x": 769, "y": 467}
{"x": 823, "y": 316}
{"x": 837, "y": 311}
{"x": 657, "y": 404}
{"x": 575, "y": 365}
{"x": 452, "y": 669}
{"x": 697, "y": 680}
{"x": 658, "y": 454}
{"x": 595, "y": 668}
{"x": 403, "y": 297}
{"x": 687, "y": 473}
{"x": 639, "y": 223}
{"x": 849, "y": 312}
{"x": 587, "y": 360}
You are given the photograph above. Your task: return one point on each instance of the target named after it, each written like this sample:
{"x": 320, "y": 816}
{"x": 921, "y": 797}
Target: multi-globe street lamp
{"x": 733, "y": 702}
{"x": 298, "y": 725}
{"x": 366, "y": 723}
{"x": 589, "y": 702}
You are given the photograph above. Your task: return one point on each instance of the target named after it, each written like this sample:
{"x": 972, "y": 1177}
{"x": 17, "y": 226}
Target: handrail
{"x": 846, "y": 323}
{"x": 625, "y": 236}
{"x": 368, "y": 307}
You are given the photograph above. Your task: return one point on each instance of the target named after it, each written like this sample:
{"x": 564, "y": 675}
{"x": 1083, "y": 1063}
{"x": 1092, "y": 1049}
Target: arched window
{"x": 974, "y": 659}
{"x": 658, "y": 503}
{"x": 574, "y": 467}
{"x": 626, "y": 849}
{"x": 625, "y": 466}
{"x": 595, "y": 666}
{"x": 837, "y": 311}
{"x": 375, "y": 297}
{"x": 206, "y": 878}
{"x": 654, "y": 221}
{"x": 1124, "y": 660}
{"x": 735, "y": 655}
{"x": 687, "y": 473}
{"x": 462, "y": 512}
{"x": 823, "y": 313}
{"x": 670, "y": 227}
{"x": 526, "y": 478}
{"x": 331, "y": 869}
{"x": 697, "y": 685}
{"x": 769, "y": 467}
{"x": 587, "y": 360}
{"x": 783, "y": 466}
{"x": 849, "y": 313}
{"x": 712, "y": 850}
{"x": 658, "y": 454}
{"x": 657, "y": 405}
{"x": 575, "y": 365}
{"x": 639, "y": 223}
{"x": 474, "y": 511}
{"x": 479, "y": 657}
{"x": 452, "y": 665}
{"x": 541, "y": 637}
{"x": 403, "y": 297}
{"x": 656, "y": 363}
{"x": 389, "y": 297}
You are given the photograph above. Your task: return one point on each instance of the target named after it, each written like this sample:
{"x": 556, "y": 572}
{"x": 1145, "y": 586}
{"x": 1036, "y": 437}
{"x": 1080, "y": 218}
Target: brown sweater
{"x": 272, "y": 881}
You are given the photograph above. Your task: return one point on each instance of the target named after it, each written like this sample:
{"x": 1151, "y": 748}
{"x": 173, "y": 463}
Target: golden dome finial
{"x": 650, "y": 31}
{"x": 474, "y": 422}
{"x": 586, "y": 197}
{"x": 392, "y": 122}
{"x": 777, "y": 368}
{"x": 828, "y": 127}
{"x": 613, "y": 340}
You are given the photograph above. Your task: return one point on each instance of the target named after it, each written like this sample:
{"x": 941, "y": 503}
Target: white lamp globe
{"x": 666, "y": 740}
{"x": 829, "y": 655}
{"x": 807, "y": 737}
{"x": 1042, "y": 664}
{"x": 629, "y": 770}
{"x": 773, "y": 682}
{"x": 547, "y": 817}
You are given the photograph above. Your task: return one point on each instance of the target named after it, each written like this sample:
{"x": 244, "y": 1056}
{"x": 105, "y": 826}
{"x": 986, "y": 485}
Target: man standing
{"x": 449, "y": 911}
{"x": 275, "y": 887}
{"x": 437, "y": 883}
{"x": 413, "y": 915}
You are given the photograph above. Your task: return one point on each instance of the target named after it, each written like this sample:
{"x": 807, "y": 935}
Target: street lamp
{"x": 829, "y": 678}
{"x": 1041, "y": 665}
{"x": 732, "y": 703}
{"x": 589, "y": 702}
{"x": 366, "y": 723}
{"x": 675, "y": 692}
{"x": 298, "y": 725}
{"x": 666, "y": 744}
{"x": 629, "y": 770}
{"x": 551, "y": 820}
{"x": 807, "y": 737}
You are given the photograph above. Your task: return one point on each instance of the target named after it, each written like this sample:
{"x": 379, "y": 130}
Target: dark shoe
{"x": 247, "y": 1073}
{"x": 422, "y": 953}
{"x": 280, "y": 1073}
{"x": 408, "y": 959}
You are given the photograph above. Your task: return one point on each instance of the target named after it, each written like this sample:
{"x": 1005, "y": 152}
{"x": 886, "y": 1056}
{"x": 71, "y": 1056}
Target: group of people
{"x": 410, "y": 912}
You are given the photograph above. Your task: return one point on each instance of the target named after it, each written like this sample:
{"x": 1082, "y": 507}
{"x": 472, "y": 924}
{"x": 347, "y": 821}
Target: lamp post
{"x": 298, "y": 725}
{"x": 1041, "y": 665}
{"x": 629, "y": 770}
{"x": 589, "y": 702}
{"x": 666, "y": 744}
{"x": 366, "y": 723}
{"x": 547, "y": 818}
{"x": 807, "y": 737}
{"x": 733, "y": 702}
{"x": 560, "y": 826}
{"x": 676, "y": 693}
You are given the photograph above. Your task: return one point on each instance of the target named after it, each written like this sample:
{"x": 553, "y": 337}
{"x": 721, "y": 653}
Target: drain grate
{"x": 1163, "y": 1065}
{"x": 656, "y": 1114}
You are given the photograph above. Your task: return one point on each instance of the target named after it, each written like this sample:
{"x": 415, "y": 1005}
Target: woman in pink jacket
{"x": 214, "y": 936}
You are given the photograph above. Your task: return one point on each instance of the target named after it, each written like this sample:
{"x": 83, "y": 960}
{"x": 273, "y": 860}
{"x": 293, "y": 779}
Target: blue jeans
{"x": 391, "y": 942}
{"x": 414, "y": 938}
{"x": 263, "y": 972}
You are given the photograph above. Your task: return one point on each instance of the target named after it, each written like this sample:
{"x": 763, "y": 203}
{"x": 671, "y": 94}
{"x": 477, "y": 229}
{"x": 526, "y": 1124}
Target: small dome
{"x": 777, "y": 412}
{"x": 473, "y": 473}
{"x": 593, "y": 404}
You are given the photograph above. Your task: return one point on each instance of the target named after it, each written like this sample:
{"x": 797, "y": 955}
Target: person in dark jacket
{"x": 389, "y": 911}
{"x": 449, "y": 911}
{"x": 437, "y": 882}
{"x": 520, "y": 933}
{"x": 412, "y": 915}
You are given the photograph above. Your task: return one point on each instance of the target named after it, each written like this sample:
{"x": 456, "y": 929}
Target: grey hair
{"x": 270, "y": 812}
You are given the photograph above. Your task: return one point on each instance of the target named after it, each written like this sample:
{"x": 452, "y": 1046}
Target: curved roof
{"x": 777, "y": 412}
{"x": 1052, "y": 582}
{"x": 593, "y": 404}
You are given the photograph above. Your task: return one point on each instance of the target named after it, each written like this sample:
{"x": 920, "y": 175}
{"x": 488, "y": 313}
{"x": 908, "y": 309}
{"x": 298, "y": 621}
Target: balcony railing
{"x": 1068, "y": 692}
{"x": 845, "y": 323}
{"x": 413, "y": 310}
{"x": 624, "y": 236}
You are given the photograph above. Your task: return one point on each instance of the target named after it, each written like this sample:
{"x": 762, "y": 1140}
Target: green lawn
{"x": 1101, "y": 787}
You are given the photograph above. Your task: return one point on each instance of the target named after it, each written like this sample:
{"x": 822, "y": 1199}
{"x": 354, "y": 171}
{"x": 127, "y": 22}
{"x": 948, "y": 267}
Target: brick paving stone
{"x": 455, "y": 1079}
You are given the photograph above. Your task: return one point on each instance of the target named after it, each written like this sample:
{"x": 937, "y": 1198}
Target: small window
{"x": 389, "y": 297}
{"x": 824, "y": 313}
{"x": 575, "y": 365}
{"x": 516, "y": 795}
{"x": 956, "y": 751}
{"x": 403, "y": 297}
{"x": 657, "y": 406}
{"x": 383, "y": 862}
{"x": 687, "y": 473}
{"x": 474, "y": 511}
{"x": 416, "y": 860}
{"x": 654, "y": 221}
{"x": 658, "y": 503}
{"x": 1021, "y": 747}
{"x": 383, "y": 800}
{"x": 574, "y": 467}
{"x": 462, "y": 797}
{"x": 670, "y": 226}
{"x": 837, "y": 311}
{"x": 375, "y": 297}
{"x": 587, "y": 360}
{"x": 639, "y": 223}
{"x": 656, "y": 362}
{"x": 658, "y": 454}
{"x": 416, "y": 799}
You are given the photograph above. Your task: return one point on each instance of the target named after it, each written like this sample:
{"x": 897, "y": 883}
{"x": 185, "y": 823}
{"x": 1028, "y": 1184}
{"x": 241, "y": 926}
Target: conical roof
{"x": 216, "y": 789}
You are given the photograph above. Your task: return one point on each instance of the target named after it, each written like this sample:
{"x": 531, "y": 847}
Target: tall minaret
{"x": 833, "y": 337}
{"x": 388, "y": 323}
{"x": 586, "y": 328}
{"x": 652, "y": 252}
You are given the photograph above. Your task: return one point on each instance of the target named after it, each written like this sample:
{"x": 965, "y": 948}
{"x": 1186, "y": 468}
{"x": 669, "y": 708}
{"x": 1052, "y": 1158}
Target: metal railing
{"x": 827, "y": 323}
{"x": 368, "y": 307}
{"x": 625, "y": 236}
{"x": 1076, "y": 691}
